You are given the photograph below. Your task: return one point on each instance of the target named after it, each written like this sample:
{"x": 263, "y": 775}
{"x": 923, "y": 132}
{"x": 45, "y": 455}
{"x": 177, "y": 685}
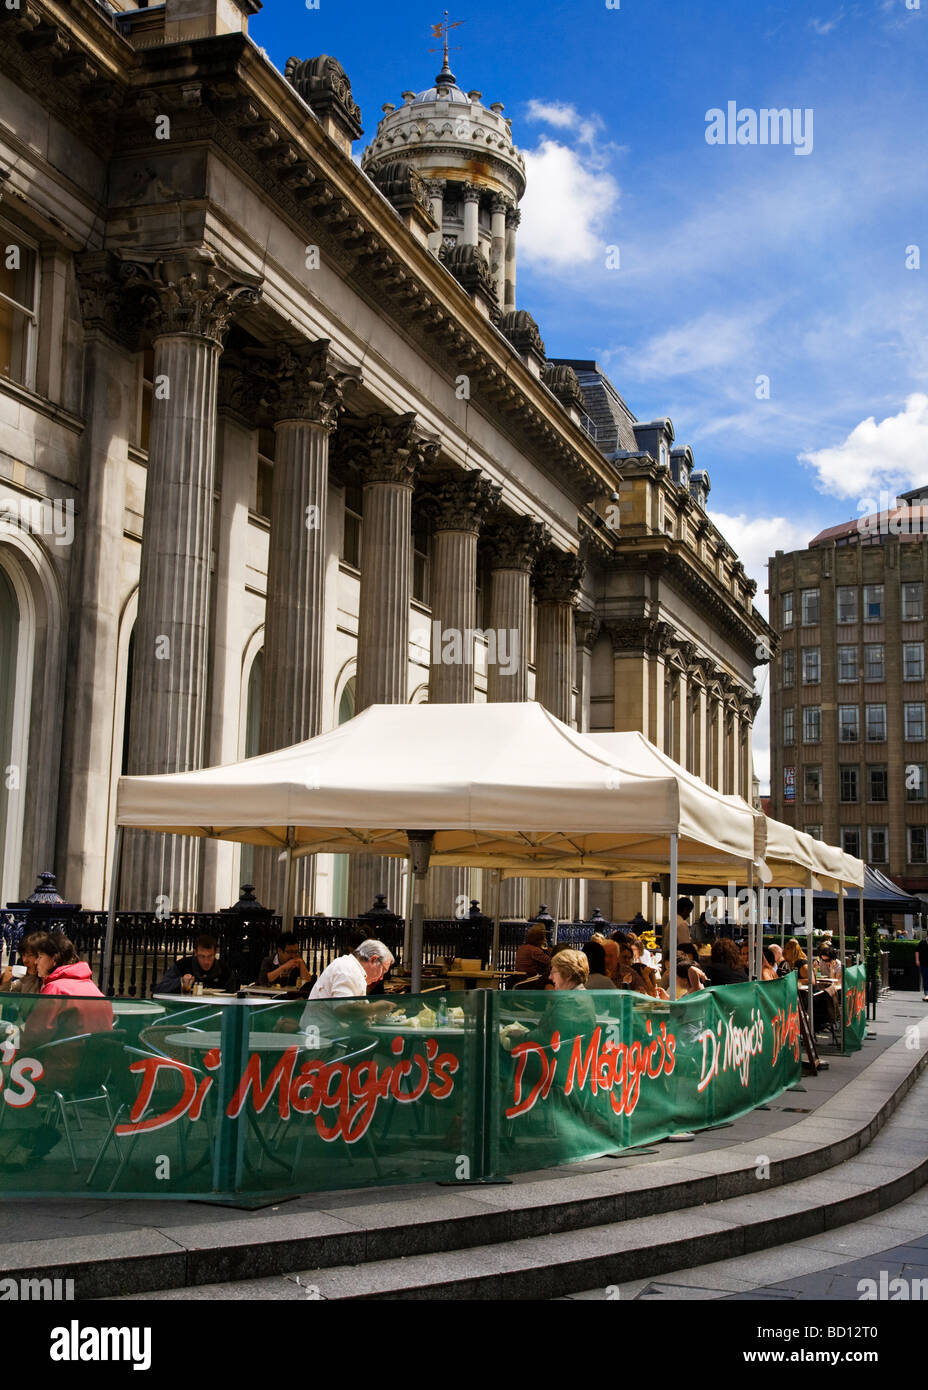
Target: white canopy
{"x": 503, "y": 786}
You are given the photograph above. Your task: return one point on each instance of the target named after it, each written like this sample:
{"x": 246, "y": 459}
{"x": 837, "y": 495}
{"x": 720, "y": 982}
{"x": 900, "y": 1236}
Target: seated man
{"x": 202, "y": 968}
{"x": 285, "y": 966}
{"x": 350, "y": 977}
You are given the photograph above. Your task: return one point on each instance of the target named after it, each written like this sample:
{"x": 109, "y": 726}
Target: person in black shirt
{"x": 202, "y": 968}
{"x": 724, "y": 966}
{"x": 921, "y": 952}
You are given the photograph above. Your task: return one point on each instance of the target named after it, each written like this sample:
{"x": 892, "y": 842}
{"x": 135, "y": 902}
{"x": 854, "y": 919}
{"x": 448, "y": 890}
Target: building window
{"x": 420, "y": 567}
{"x": 848, "y": 723}
{"x": 811, "y": 607}
{"x": 874, "y": 669}
{"x": 847, "y": 664}
{"x": 847, "y": 604}
{"x": 811, "y": 665}
{"x": 18, "y": 299}
{"x": 787, "y": 610}
{"x": 850, "y": 840}
{"x": 814, "y": 830}
{"x": 912, "y": 603}
{"x": 877, "y": 782}
{"x": 848, "y": 782}
{"x": 913, "y": 661}
{"x": 876, "y": 723}
{"x": 877, "y": 844}
{"x": 916, "y": 782}
{"x": 351, "y": 533}
{"x": 873, "y": 603}
{"x": 914, "y": 722}
{"x": 789, "y": 669}
{"x": 812, "y": 783}
{"x": 918, "y": 843}
{"x": 812, "y": 724}
{"x": 789, "y": 725}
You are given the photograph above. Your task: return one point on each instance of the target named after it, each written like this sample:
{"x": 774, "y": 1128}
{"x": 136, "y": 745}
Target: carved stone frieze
{"x": 640, "y": 634}
{"x": 323, "y": 84}
{"x": 588, "y": 627}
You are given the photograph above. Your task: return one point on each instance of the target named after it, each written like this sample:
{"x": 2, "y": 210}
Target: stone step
{"x": 195, "y": 1246}
{"x": 892, "y": 1168}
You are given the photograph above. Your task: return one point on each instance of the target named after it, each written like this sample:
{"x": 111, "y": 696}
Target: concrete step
{"x": 891, "y": 1169}
{"x": 148, "y": 1247}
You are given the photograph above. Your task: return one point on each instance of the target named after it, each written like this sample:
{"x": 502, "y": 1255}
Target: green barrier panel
{"x": 248, "y": 1099}
{"x": 855, "y": 1007}
{"x": 577, "y": 1074}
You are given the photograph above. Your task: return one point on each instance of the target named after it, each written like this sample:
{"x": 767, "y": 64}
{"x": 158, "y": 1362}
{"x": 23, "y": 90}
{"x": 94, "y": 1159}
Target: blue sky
{"x": 737, "y": 261}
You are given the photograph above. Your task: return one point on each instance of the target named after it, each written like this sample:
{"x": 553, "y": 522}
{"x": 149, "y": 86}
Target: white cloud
{"x": 565, "y": 208}
{"x": 890, "y": 454}
{"x": 755, "y": 538}
{"x": 708, "y": 341}
{"x": 825, "y": 26}
{"x": 563, "y": 116}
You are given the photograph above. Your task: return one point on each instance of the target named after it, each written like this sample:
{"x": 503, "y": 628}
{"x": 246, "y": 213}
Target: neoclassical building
{"x": 276, "y": 443}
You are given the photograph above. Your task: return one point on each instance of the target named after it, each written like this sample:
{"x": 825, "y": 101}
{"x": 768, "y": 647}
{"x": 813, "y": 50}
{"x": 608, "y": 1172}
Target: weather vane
{"x": 440, "y": 31}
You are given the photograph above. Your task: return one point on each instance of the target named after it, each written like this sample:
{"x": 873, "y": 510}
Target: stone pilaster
{"x": 588, "y": 627}
{"x": 471, "y": 210}
{"x": 302, "y": 393}
{"x": 190, "y": 302}
{"x": 498, "y": 209}
{"x": 435, "y": 188}
{"x": 387, "y": 455}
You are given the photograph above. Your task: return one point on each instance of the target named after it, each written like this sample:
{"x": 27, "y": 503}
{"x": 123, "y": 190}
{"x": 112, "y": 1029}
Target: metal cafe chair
{"x": 96, "y": 1055}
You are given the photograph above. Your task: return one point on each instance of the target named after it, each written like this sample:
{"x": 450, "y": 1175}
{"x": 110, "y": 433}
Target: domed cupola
{"x": 473, "y": 173}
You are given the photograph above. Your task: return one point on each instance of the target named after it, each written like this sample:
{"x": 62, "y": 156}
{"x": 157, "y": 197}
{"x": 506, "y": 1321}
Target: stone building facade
{"x": 276, "y": 444}
{"x": 849, "y": 744}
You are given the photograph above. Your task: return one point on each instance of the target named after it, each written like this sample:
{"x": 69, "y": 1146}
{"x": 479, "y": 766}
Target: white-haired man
{"x": 348, "y": 976}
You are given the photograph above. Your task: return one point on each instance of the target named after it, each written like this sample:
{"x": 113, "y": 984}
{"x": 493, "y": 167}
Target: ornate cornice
{"x": 304, "y": 383}
{"x": 562, "y": 381}
{"x": 323, "y": 84}
{"x": 461, "y": 501}
{"x": 639, "y": 634}
{"x": 470, "y": 268}
{"x": 514, "y": 542}
{"x": 402, "y": 186}
{"x": 557, "y": 576}
{"x": 189, "y": 294}
{"x": 522, "y": 331}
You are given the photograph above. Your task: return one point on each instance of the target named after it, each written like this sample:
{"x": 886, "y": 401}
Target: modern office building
{"x": 848, "y": 736}
{"x": 272, "y": 427}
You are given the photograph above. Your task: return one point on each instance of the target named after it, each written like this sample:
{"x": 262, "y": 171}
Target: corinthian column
{"x": 498, "y": 209}
{"x": 303, "y": 394}
{"x": 514, "y": 544}
{"x": 190, "y": 303}
{"x": 387, "y": 455}
{"x": 459, "y": 503}
{"x": 513, "y": 217}
{"x": 557, "y": 583}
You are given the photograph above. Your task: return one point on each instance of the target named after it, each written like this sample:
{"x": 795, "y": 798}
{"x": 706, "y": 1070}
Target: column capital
{"x": 513, "y": 217}
{"x": 239, "y": 390}
{"x": 471, "y": 193}
{"x": 639, "y": 634}
{"x": 435, "y": 188}
{"x": 557, "y": 576}
{"x": 190, "y": 294}
{"x": 461, "y": 501}
{"x": 384, "y": 448}
{"x": 588, "y": 627}
{"x": 515, "y": 542}
{"x": 105, "y": 305}
{"x": 304, "y": 383}
{"x": 499, "y": 203}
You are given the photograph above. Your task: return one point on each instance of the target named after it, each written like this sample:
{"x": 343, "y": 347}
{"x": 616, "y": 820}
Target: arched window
{"x": 11, "y": 771}
{"x": 340, "y": 861}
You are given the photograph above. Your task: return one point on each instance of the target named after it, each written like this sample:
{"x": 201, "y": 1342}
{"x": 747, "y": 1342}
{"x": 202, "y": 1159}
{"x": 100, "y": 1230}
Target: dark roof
{"x": 879, "y": 891}
{"x": 610, "y": 415}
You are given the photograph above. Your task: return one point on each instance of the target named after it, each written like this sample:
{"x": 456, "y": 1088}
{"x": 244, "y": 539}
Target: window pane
{"x": 812, "y": 784}
{"x": 847, "y": 663}
{"x": 876, "y": 723}
{"x": 789, "y": 668}
{"x": 848, "y": 775}
{"x": 17, "y": 282}
{"x": 878, "y": 783}
{"x": 913, "y": 661}
{"x": 873, "y": 663}
{"x": 917, "y": 844}
{"x": 878, "y": 841}
{"x": 850, "y": 840}
{"x": 915, "y": 721}
{"x": 789, "y": 726}
{"x": 812, "y": 724}
{"x": 848, "y": 723}
{"x": 873, "y": 603}
{"x": 810, "y": 607}
{"x": 847, "y": 605}
{"x": 814, "y": 830}
{"x": 811, "y": 665}
{"x": 916, "y": 782}
{"x": 787, "y": 610}
{"x": 912, "y": 603}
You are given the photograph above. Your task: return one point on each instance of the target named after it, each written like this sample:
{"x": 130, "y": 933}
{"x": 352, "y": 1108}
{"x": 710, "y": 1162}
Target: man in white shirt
{"x": 349, "y": 976}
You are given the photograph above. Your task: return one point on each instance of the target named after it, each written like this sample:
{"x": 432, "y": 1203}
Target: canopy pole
{"x": 810, "y": 982}
{"x": 841, "y": 955}
{"x": 671, "y": 932}
{"x": 111, "y": 915}
{"x": 407, "y": 924}
{"x": 420, "y": 852}
{"x": 753, "y": 971}
{"x": 494, "y": 950}
{"x": 289, "y": 883}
